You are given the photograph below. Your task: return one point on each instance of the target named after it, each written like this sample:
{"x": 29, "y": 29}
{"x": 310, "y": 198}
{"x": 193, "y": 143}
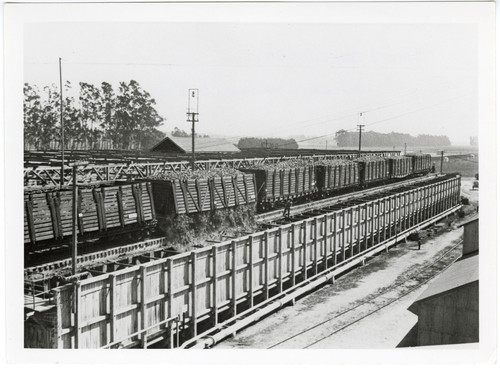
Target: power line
{"x": 111, "y": 64}
{"x": 287, "y": 125}
{"x": 388, "y": 119}
{"x": 347, "y": 116}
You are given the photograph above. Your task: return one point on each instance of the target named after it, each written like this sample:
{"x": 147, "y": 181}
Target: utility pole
{"x": 74, "y": 230}
{"x": 193, "y": 118}
{"x": 61, "y": 181}
{"x": 405, "y": 148}
{"x": 442, "y": 157}
{"x": 360, "y": 127}
{"x": 74, "y": 242}
{"x": 360, "y": 131}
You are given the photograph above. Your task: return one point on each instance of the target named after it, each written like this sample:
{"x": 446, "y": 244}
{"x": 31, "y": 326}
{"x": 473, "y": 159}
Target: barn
{"x": 183, "y": 145}
{"x": 448, "y": 310}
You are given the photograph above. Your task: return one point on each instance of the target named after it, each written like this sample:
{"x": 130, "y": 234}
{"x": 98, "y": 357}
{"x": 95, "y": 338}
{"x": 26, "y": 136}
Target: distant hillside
{"x": 271, "y": 143}
{"x": 376, "y": 139}
{"x": 312, "y": 142}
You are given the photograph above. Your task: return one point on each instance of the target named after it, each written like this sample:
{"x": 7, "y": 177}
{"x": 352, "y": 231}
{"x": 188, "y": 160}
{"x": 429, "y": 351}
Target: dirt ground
{"x": 384, "y": 329}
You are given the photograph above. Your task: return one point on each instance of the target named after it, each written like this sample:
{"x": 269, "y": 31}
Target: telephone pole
{"x": 61, "y": 181}
{"x": 360, "y": 127}
{"x": 74, "y": 229}
{"x": 192, "y": 115}
{"x": 442, "y": 157}
{"x": 405, "y": 148}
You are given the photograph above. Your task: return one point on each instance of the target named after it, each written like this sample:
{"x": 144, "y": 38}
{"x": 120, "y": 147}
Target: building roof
{"x": 201, "y": 145}
{"x": 460, "y": 273}
{"x": 475, "y": 218}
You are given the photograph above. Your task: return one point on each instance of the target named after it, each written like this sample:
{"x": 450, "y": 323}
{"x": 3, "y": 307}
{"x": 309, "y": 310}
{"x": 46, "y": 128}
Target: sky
{"x": 277, "y": 79}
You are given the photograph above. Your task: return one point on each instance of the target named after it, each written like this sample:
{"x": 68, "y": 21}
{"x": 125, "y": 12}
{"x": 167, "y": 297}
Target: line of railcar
{"x": 304, "y": 181}
{"x": 133, "y": 207}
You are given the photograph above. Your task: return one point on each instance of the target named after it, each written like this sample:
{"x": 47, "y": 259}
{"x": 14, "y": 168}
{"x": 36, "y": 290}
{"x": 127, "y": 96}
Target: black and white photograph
{"x": 243, "y": 176}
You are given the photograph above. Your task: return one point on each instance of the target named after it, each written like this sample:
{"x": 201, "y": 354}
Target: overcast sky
{"x": 277, "y": 79}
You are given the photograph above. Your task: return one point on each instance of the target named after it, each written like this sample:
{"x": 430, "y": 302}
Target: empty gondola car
{"x": 105, "y": 210}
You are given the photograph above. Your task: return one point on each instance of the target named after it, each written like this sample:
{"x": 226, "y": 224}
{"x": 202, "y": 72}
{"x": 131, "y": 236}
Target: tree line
{"x": 127, "y": 116}
{"x": 270, "y": 143}
{"x": 377, "y": 139}
{"x": 177, "y": 132}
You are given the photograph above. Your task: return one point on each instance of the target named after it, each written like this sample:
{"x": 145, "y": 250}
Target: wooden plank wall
{"x": 206, "y": 282}
{"x": 201, "y": 195}
{"x": 48, "y": 214}
{"x": 281, "y": 183}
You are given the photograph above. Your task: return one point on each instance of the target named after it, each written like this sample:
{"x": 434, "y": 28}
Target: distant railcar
{"x": 373, "y": 170}
{"x": 421, "y": 163}
{"x": 400, "y": 167}
{"x": 336, "y": 175}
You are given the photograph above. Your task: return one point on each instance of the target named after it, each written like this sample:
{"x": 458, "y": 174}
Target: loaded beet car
{"x": 277, "y": 182}
{"x": 188, "y": 192}
{"x": 421, "y": 163}
{"x": 373, "y": 170}
{"x": 104, "y": 210}
{"x": 333, "y": 176}
{"x": 400, "y": 167}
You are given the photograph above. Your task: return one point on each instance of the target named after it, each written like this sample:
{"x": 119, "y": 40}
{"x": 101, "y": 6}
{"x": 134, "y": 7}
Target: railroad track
{"x": 146, "y": 246}
{"x": 352, "y": 315}
{"x": 55, "y": 262}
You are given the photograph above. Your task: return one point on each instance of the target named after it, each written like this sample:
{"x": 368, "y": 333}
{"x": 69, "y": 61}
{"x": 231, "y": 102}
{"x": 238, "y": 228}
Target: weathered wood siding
{"x": 202, "y": 195}
{"x": 48, "y": 213}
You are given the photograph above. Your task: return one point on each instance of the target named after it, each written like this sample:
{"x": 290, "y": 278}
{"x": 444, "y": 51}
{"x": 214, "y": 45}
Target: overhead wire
{"x": 346, "y": 116}
{"x": 288, "y": 126}
{"x": 387, "y": 119}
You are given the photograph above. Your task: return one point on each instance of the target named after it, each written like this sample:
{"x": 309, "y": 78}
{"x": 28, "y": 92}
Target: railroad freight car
{"x": 336, "y": 175}
{"x": 400, "y": 167}
{"x": 284, "y": 180}
{"x": 373, "y": 170}
{"x": 176, "y": 196}
{"x": 421, "y": 163}
{"x": 102, "y": 211}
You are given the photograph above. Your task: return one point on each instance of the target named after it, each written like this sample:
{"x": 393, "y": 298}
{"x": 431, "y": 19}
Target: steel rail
{"x": 388, "y": 289}
{"x": 382, "y": 306}
{"x": 119, "y": 251}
